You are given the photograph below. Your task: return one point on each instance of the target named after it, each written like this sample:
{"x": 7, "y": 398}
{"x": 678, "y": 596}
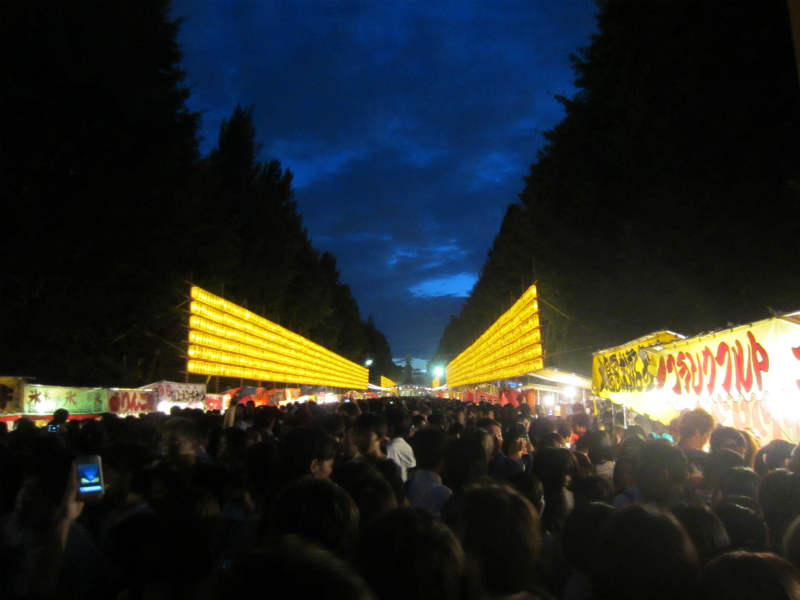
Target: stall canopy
{"x": 748, "y": 377}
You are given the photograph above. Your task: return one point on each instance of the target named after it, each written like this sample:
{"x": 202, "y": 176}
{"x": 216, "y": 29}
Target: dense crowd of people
{"x": 398, "y": 499}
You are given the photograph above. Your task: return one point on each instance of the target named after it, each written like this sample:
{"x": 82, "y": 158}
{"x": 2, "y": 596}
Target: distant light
{"x": 570, "y": 392}
{"x": 549, "y": 400}
{"x": 368, "y": 363}
{"x": 438, "y": 371}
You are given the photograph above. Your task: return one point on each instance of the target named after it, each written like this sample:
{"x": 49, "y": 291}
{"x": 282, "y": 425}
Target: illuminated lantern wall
{"x": 511, "y": 347}
{"x": 227, "y": 340}
{"x": 386, "y": 382}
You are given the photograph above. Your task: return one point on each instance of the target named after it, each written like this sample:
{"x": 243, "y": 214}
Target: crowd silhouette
{"x": 398, "y": 499}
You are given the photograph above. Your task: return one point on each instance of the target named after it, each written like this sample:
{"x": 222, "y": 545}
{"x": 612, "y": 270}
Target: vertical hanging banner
{"x": 748, "y": 377}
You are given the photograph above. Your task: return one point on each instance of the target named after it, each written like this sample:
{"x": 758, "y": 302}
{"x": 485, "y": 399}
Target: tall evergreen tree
{"x": 668, "y": 196}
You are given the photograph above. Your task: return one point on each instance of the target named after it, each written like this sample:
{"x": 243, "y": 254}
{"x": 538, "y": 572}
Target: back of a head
{"x": 644, "y": 553}
{"x": 429, "y": 446}
{"x": 704, "y": 527}
{"x": 738, "y": 481}
{"x": 750, "y": 576}
{"x": 727, "y": 438}
{"x": 398, "y": 422}
{"x": 551, "y": 440}
{"x": 716, "y": 463}
{"x": 407, "y": 553}
{"x": 370, "y": 421}
{"x": 660, "y": 466}
{"x": 464, "y": 462}
{"x": 317, "y": 510}
{"x": 500, "y": 532}
{"x": 779, "y": 496}
{"x": 599, "y": 445}
{"x": 744, "y": 522}
{"x": 369, "y": 489}
{"x": 581, "y": 531}
{"x": 288, "y": 568}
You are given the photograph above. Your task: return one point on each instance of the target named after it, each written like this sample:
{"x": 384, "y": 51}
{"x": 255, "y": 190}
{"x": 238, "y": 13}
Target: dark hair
{"x": 716, "y": 463}
{"x": 553, "y": 466}
{"x": 300, "y": 447}
{"x": 773, "y": 456}
{"x": 600, "y": 449}
{"x": 369, "y": 489}
{"x": 779, "y": 496}
{"x": 655, "y": 458}
{"x": 581, "y": 420}
{"x": 527, "y": 484}
{"x": 486, "y": 422}
{"x": 399, "y": 422}
{"x": 581, "y": 531}
{"x": 429, "y": 446}
{"x": 728, "y": 438}
{"x": 289, "y": 568}
{"x": 464, "y": 462}
{"x": 551, "y": 440}
{"x": 738, "y": 481}
{"x": 407, "y": 553}
{"x": 371, "y": 422}
{"x": 646, "y": 548}
{"x": 317, "y": 510}
{"x": 182, "y": 426}
{"x": 704, "y": 527}
{"x": 750, "y": 576}
{"x": 564, "y": 428}
{"x": 744, "y": 522}
{"x": 698, "y": 419}
{"x": 592, "y": 488}
{"x": 498, "y": 528}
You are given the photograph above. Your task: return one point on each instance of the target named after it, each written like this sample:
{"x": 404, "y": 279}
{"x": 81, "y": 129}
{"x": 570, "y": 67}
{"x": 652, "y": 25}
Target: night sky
{"x": 408, "y": 127}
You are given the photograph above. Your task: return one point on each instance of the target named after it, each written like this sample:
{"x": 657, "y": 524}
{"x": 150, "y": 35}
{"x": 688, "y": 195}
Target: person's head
{"x": 744, "y": 521}
{"x": 581, "y": 422}
{"x": 716, "y": 463}
{"x": 500, "y": 534}
{"x": 643, "y": 552}
{"x": 398, "y": 423}
{"x": 551, "y": 440}
{"x": 527, "y": 484}
{"x": 728, "y": 438}
{"x": 429, "y": 448}
{"x": 369, "y": 489}
{"x": 599, "y": 447}
{"x": 317, "y": 510}
{"x": 556, "y": 468}
{"x": 516, "y": 439}
{"x": 750, "y": 576}
{"x": 407, "y": 553}
{"x": 288, "y": 568}
{"x": 779, "y": 496}
{"x": 775, "y": 455}
{"x": 791, "y": 544}
{"x": 581, "y": 531}
{"x": 464, "y": 462}
{"x": 704, "y": 527}
{"x": 695, "y": 428}
{"x": 493, "y": 428}
{"x": 661, "y": 471}
{"x": 368, "y": 431}
{"x": 592, "y": 488}
{"x": 307, "y": 451}
{"x": 180, "y": 438}
{"x": 60, "y": 416}
{"x": 737, "y": 481}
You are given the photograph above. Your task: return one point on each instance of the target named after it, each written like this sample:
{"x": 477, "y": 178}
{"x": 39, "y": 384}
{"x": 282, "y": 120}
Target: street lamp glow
{"x": 368, "y": 363}
{"x": 438, "y": 371}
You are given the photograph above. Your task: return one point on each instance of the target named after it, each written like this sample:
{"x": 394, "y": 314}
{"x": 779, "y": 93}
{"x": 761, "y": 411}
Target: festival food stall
{"x": 747, "y": 377}
{"x": 183, "y": 395}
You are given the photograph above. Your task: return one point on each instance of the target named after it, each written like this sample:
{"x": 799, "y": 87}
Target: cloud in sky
{"x": 408, "y": 126}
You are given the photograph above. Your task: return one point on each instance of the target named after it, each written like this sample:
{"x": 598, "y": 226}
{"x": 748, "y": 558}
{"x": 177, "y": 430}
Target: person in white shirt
{"x": 398, "y": 426}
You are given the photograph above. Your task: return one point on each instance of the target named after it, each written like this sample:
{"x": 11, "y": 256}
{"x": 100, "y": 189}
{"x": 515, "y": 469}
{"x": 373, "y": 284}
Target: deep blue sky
{"x": 408, "y": 126}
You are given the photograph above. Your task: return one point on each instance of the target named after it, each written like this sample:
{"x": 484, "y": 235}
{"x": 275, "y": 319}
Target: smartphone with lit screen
{"x": 90, "y": 477}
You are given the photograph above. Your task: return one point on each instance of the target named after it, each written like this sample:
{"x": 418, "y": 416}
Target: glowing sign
{"x": 512, "y": 346}
{"x": 386, "y": 382}
{"x": 227, "y": 340}
{"x": 747, "y": 377}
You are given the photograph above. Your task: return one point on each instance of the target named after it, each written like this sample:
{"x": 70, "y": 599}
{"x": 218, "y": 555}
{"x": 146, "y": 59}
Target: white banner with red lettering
{"x": 747, "y": 377}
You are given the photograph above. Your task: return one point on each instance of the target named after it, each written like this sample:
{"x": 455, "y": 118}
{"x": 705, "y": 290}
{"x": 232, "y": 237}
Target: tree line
{"x": 668, "y": 197}
{"x": 109, "y": 211}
